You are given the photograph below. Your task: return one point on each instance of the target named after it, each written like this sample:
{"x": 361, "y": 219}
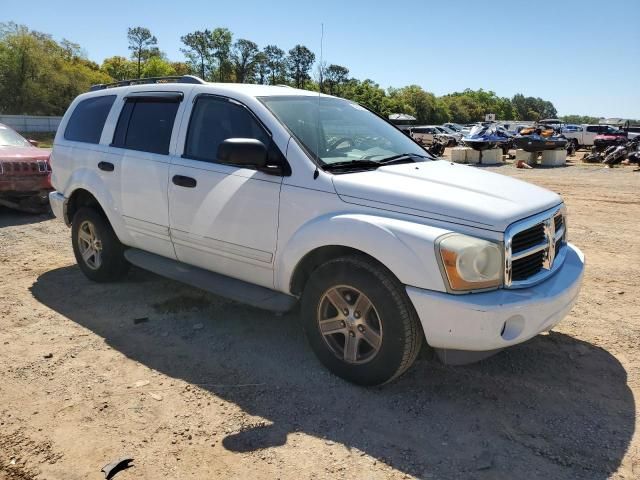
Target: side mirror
{"x": 33, "y": 142}
{"x": 243, "y": 152}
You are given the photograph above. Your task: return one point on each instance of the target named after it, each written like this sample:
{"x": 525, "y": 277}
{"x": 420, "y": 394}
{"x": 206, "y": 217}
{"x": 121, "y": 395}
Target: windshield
{"x": 336, "y": 130}
{"x": 9, "y": 138}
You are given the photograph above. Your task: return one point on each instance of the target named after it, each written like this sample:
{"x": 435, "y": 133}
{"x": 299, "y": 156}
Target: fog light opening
{"x": 512, "y": 328}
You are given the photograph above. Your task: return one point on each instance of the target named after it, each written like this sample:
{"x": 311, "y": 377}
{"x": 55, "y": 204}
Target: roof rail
{"x": 142, "y": 81}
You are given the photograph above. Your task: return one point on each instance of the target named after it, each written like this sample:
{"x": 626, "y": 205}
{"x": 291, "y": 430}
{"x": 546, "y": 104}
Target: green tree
{"x": 40, "y": 76}
{"x": 579, "y": 119}
{"x": 221, "y": 39}
{"x": 157, "y": 67}
{"x": 419, "y": 103}
{"x": 199, "y": 51}
{"x": 276, "y": 64}
{"x": 141, "y": 44}
{"x": 262, "y": 68}
{"x": 334, "y": 77}
{"x": 299, "y": 61}
{"x": 244, "y": 58}
{"x": 119, "y": 68}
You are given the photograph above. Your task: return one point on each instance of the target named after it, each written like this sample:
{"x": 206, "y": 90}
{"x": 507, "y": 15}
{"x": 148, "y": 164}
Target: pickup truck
{"x": 584, "y": 135}
{"x": 279, "y": 197}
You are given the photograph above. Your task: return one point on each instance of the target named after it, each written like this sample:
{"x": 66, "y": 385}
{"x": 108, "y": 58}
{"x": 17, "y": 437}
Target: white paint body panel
{"x": 258, "y": 227}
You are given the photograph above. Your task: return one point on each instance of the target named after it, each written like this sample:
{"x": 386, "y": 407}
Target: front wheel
{"x": 99, "y": 253}
{"x": 360, "y": 321}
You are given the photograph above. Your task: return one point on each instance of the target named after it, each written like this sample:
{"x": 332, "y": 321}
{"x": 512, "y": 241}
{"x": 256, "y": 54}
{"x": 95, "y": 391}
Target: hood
{"x": 448, "y": 192}
{"x": 15, "y": 154}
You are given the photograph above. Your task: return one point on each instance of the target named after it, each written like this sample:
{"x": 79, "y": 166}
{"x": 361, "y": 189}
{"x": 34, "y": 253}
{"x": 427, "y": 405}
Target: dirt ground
{"x": 194, "y": 386}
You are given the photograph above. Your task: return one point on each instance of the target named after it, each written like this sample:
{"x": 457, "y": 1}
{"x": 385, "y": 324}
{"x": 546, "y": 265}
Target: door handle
{"x": 106, "y": 166}
{"x": 183, "y": 181}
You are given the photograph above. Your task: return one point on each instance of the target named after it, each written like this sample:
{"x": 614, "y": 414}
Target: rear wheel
{"x": 99, "y": 253}
{"x": 360, "y": 321}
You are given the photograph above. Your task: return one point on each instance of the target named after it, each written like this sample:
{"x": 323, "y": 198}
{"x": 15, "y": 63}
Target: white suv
{"x": 275, "y": 196}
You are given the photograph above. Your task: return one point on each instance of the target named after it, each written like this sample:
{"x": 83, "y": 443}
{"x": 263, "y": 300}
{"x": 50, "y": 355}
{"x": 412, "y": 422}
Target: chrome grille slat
{"x": 534, "y": 248}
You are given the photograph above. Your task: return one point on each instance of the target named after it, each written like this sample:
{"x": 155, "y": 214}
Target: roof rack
{"x": 142, "y": 81}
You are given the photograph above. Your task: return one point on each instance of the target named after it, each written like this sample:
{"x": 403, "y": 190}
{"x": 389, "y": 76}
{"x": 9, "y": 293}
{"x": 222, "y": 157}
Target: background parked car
{"x": 426, "y": 135}
{"x": 457, "y": 136}
{"x": 25, "y": 173}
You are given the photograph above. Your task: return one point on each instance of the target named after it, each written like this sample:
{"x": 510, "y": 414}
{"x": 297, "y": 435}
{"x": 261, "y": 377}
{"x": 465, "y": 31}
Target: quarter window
{"x": 214, "y": 120}
{"x": 145, "y": 124}
{"x": 88, "y": 118}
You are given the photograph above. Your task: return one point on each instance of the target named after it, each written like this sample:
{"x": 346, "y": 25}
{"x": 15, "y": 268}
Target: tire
{"x": 575, "y": 144}
{"x": 391, "y": 323}
{"x": 90, "y": 230}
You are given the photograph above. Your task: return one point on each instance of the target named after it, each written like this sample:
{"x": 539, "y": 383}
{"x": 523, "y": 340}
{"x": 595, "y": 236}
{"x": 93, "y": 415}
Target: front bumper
{"x": 482, "y": 322}
{"x": 59, "y": 206}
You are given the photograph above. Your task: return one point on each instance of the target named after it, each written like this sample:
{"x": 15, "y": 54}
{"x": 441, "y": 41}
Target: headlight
{"x": 470, "y": 263}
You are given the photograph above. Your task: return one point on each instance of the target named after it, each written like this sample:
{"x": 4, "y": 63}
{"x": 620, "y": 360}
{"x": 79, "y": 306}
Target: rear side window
{"x": 216, "y": 119}
{"x": 593, "y": 129}
{"x": 88, "y": 118}
{"x": 145, "y": 124}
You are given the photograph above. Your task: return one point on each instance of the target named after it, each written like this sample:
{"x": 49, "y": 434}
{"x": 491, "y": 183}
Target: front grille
{"x": 558, "y": 221}
{"x": 528, "y": 266}
{"x": 532, "y": 246}
{"x": 17, "y": 168}
{"x": 528, "y": 238}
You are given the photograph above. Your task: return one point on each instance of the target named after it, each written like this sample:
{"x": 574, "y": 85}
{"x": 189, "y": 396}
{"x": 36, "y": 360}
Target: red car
{"x": 608, "y": 137}
{"x": 25, "y": 172}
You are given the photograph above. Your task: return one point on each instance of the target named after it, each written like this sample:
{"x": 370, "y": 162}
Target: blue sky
{"x": 583, "y": 55}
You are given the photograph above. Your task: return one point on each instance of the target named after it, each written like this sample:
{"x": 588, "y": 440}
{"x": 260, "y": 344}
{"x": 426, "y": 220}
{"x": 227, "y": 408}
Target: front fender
{"x": 404, "y": 247}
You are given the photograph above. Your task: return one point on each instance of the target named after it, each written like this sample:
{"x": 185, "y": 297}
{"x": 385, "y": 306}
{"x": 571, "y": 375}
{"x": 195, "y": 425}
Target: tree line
{"x": 41, "y": 76}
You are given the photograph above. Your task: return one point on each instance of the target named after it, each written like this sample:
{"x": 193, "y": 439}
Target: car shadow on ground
{"x": 554, "y": 407}
{"x": 10, "y": 217}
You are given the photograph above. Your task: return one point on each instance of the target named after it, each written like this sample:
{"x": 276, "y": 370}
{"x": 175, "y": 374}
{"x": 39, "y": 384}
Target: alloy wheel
{"x": 349, "y": 324}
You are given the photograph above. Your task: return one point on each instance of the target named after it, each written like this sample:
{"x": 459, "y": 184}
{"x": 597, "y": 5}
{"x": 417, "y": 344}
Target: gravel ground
{"x": 195, "y": 386}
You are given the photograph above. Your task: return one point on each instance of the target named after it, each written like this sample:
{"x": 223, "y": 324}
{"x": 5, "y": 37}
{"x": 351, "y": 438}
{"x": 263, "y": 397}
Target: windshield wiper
{"x": 400, "y": 158}
{"x": 362, "y": 164}
{"x": 368, "y": 164}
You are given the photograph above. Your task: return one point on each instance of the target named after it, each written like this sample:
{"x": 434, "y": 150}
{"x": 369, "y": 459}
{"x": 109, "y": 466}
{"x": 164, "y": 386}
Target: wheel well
{"x": 82, "y": 198}
{"x": 317, "y": 257}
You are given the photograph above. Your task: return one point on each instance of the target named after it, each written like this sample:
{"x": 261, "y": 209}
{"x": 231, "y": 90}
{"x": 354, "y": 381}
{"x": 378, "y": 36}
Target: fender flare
{"x": 406, "y": 248}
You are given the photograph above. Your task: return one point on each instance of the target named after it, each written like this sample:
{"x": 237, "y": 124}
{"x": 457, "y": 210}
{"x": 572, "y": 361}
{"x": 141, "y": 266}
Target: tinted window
{"x": 87, "y": 120}
{"x": 146, "y": 125}
{"x": 214, "y": 120}
{"x": 593, "y": 129}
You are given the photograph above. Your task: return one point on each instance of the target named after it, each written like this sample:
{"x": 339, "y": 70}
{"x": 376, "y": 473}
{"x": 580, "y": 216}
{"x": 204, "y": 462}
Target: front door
{"x": 222, "y": 217}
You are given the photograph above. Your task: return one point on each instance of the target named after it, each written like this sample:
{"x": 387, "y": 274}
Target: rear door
{"x": 223, "y": 217}
{"x": 142, "y": 139}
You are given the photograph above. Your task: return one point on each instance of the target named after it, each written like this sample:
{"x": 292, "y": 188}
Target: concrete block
{"x": 492, "y": 156}
{"x": 473, "y": 156}
{"x": 459, "y": 154}
{"x": 530, "y": 158}
{"x": 554, "y": 158}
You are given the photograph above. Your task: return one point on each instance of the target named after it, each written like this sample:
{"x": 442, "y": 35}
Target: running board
{"x": 215, "y": 283}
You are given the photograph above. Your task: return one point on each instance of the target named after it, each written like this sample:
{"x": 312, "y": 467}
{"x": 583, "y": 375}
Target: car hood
{"x": 15, "y": 154}
{"x": 448, "y": 192}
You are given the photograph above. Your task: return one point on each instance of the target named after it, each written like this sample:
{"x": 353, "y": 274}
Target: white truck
{"x": 584, "y": 135}
{"x": 275, "y": 197}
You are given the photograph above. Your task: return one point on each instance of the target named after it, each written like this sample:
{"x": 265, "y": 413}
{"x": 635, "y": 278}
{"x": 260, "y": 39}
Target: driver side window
{"x": 215, "y": 119}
